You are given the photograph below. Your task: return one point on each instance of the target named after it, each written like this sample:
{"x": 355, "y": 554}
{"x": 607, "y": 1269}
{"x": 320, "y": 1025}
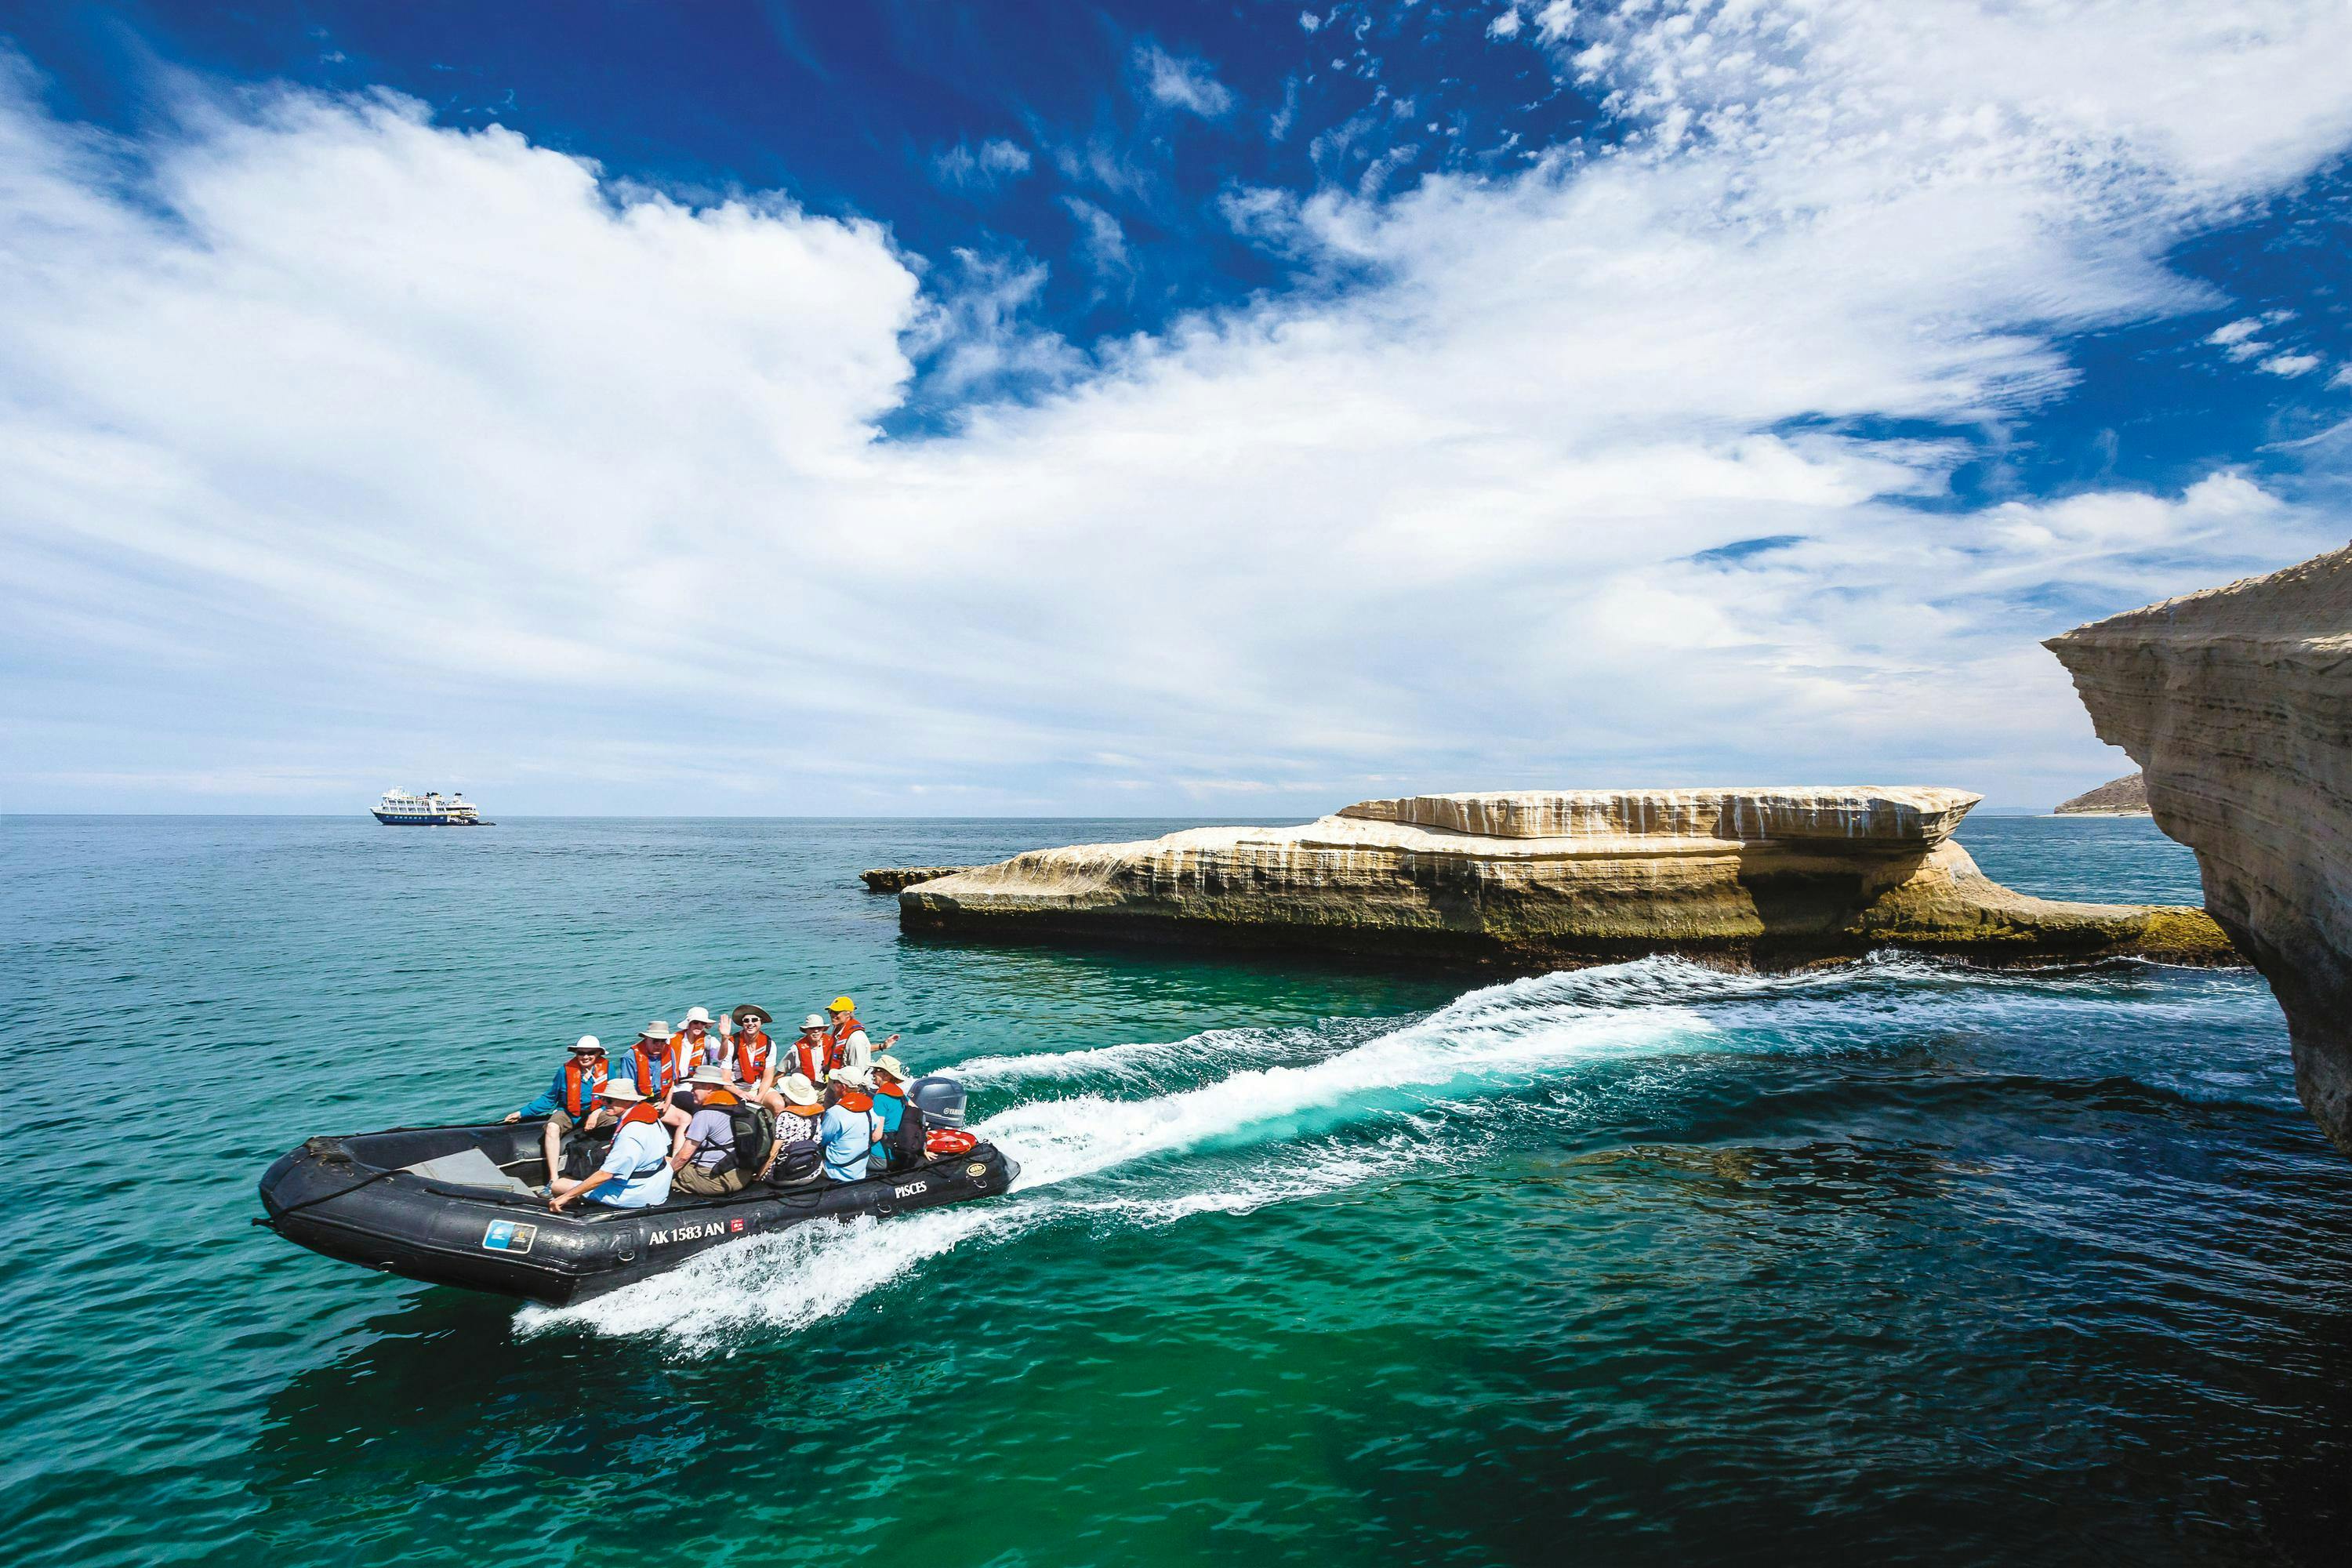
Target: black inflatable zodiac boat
{"x": 450, "y": 1205}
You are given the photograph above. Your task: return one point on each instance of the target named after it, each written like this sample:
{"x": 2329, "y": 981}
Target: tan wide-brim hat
{"x": 748, "y": 1014}
{"x": 656, "y": 1030}
{"x": 797, "y": 1089}
{"x": 710, "y": 1076}
{"x": 620, "y": 1089}
{"x": 893, "y": 1066}
{"x": 697, "y": 1016}
{"x": 814, "y": 1021}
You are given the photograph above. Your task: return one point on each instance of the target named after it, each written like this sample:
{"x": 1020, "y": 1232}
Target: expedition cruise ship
{"x": 432, "y": 809}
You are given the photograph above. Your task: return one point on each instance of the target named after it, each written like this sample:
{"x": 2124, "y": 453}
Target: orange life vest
{"x": 855, "y": 1099}
{"x": 838, "y": 1037}
{"x": 657, "y": 1069}
{"x": 892, "y": 1089}
{"x": 649, "y": 1114}
{"x": 685, "y": 1056}
{"x": 583, "y": 1077}
{"x": 722, "y": 1097}
{"x": 814, "y": 1059}
{"x": 752, "y": 1049}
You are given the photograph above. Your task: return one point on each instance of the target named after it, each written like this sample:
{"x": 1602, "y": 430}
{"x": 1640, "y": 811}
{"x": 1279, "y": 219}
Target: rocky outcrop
{"x": 2126, "y": 797}
{"x": 1561, "y": 876}
{"x": 894, "y": 879}
{"x": 2237, "y": 705}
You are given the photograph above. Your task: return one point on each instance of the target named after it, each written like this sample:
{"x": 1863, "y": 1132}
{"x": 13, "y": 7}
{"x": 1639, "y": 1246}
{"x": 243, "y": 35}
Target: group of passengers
{"x": 675, "y": 1102}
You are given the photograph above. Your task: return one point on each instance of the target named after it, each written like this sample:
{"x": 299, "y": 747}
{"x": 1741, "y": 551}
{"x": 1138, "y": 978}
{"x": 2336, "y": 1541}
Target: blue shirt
{"x": 635, "y": 1147}
{"x": 892, "y": 1110}
{"x": 848, "y": 1139}
{"x": 547, "y": 1104}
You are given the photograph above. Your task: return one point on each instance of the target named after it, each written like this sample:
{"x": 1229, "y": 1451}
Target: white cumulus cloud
{"x": 336, "y": 445}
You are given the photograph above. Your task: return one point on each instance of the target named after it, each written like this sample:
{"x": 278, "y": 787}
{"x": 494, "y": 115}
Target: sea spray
{"x": 1429, "y": 1084}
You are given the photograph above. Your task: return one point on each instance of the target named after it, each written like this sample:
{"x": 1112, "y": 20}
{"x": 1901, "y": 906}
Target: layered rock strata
{"x": 2126, "y": 797}
{"x": 1553, "y": 877}
{"x": 894, "y": 879}
{"x": 2237, "y": 704}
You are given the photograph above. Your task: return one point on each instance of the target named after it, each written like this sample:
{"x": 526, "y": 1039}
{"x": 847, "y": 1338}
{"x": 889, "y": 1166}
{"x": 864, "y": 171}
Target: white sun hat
{"x": 851, "y": 1077}
{"x": 586, "y": 1043}
{"x": 697, "y": 1016}
{"x": 798, "y": 1091}
{"x": 814, "y": 1021}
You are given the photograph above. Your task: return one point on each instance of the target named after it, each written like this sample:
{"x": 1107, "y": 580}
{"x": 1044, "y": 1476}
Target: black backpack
{"x": 907, "y": 1141}
{"x": 755, "y": 1131}
{"x": 796, "y": 1164}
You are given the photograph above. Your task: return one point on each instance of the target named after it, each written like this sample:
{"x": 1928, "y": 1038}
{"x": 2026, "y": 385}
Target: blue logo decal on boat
{"x": 505, "y": 1236}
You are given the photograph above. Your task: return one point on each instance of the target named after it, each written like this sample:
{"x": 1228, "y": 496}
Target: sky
{"x": 1195, "y": 410}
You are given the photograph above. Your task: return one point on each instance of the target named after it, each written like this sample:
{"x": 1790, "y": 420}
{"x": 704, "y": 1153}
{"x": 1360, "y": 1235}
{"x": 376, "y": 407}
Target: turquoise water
{"x": 1640, "y": 1264}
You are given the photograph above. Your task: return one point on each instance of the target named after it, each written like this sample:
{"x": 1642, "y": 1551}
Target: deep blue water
{"x": 1321, "y": 1264}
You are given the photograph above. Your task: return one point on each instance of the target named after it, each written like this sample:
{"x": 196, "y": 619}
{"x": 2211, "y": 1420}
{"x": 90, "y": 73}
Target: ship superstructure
{"x": 398, "y": 809}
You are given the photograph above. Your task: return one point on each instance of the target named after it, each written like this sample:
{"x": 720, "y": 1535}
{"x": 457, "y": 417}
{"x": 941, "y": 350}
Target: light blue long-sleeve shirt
{"x": 848, "y": 1138}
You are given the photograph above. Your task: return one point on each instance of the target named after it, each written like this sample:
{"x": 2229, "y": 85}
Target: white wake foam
{"x": 1516, "y": 1034}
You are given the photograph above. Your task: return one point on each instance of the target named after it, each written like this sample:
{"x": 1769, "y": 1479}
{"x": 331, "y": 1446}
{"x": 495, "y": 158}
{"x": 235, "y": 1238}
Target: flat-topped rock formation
{"x": 1541, "y": 877}
{"x": 893, "y": 879}
{"x": 2126, "y": 797}
{"x": 2237, "y": 705}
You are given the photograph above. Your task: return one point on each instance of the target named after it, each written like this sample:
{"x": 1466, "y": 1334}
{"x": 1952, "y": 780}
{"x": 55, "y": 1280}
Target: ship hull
{"x": 436, "y": 820}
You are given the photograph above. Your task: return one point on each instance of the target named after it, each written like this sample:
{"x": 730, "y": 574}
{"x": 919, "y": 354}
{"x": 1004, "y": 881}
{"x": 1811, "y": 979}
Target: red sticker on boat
{"x": 734, "y": 1225}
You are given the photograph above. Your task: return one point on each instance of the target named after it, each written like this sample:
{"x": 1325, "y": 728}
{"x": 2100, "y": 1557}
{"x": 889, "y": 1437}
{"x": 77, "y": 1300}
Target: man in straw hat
{"x": 850, "y": 1128}
{"x": 707, "y": 1159}
{"x": 755, "y": 1054}
{"x": 653, "y": 1068}
{"x": 571, "y": 1100}
{"x": 635, "y": 1172}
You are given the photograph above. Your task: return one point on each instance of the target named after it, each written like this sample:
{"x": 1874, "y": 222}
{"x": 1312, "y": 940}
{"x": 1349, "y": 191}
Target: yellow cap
{"x": 842, "y": 1004}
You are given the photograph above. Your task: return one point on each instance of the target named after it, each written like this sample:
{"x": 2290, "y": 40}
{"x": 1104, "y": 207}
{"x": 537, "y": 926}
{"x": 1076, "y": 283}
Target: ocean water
{"x": 1639, "y": 1263}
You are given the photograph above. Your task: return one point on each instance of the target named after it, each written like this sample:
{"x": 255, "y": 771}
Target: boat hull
{"x": 401, "y": 1222}
{"x": 437, "y": 819}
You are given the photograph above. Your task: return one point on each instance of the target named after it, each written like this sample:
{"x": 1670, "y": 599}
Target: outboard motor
{"x": 940, "y": 1099}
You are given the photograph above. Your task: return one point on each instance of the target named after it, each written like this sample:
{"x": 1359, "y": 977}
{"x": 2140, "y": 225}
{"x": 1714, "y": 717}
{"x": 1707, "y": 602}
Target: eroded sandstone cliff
{"x": 1549, "y": 877}
{"x": 2237, "y": 705}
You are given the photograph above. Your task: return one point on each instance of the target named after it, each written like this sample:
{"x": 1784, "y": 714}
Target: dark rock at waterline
{"x": 896, "y": 879}
{"x": 2237, "y": 704}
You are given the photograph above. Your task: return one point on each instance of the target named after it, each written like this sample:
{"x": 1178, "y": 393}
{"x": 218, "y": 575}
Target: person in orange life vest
{"x": 754, "y": 1065}
{"x": 811, "y": 1055}
{"x": 890, "y": 1081}
{"x": 635, "y": 1172}
{"x": 851, "y": 1048}
{"x": 694, "y": 1043}
{"x": 850, "y": 1128}
{"x": 571, "y": 1100}
{"x": 653, "y": 1067}
{"x": 704, "y": 1159}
